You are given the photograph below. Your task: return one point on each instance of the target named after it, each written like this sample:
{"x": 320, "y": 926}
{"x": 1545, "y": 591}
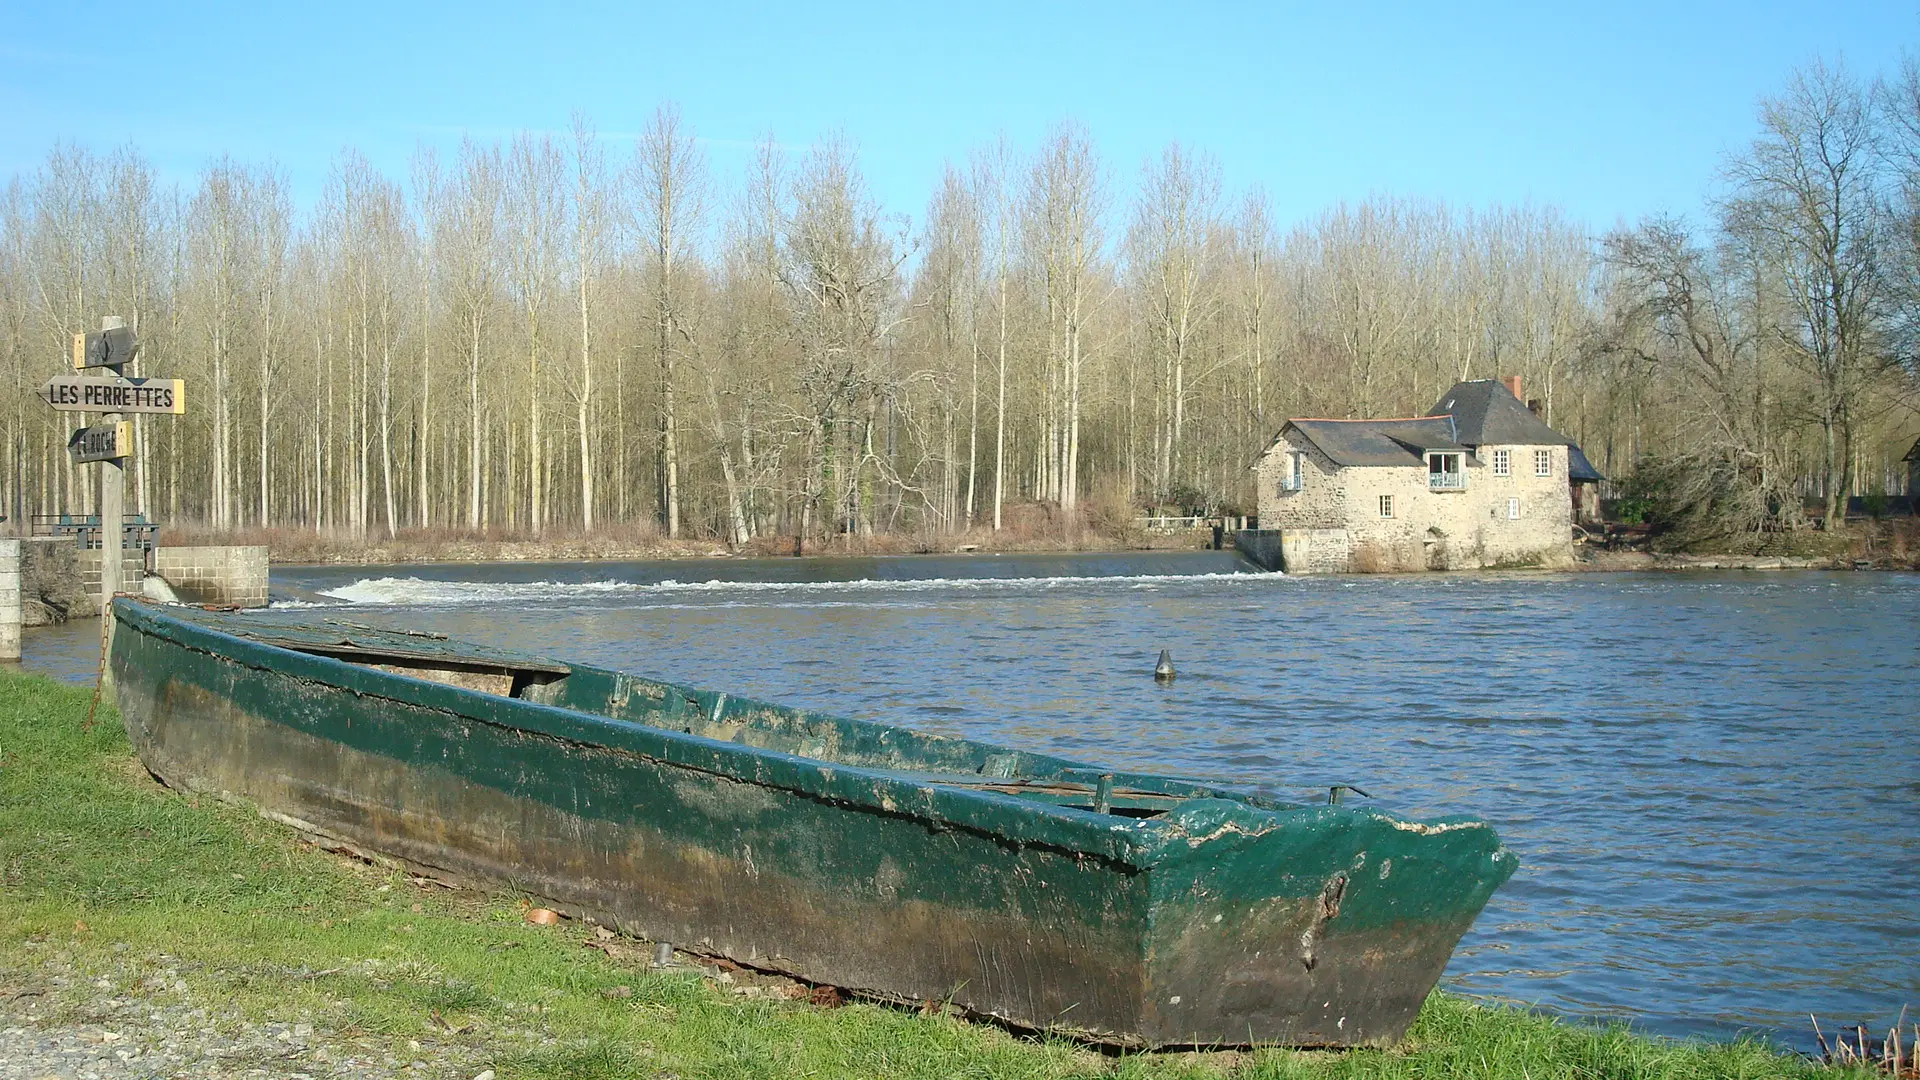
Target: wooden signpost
{"x": 108, "y": 348}
{"x": 85, "y": 393}
{"x": 110, "y": 441}
{"x": 101, "y": 442}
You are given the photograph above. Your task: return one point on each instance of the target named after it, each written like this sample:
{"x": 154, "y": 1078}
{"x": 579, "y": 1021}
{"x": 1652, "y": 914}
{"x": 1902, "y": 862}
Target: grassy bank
{"x": 123, "y": 901}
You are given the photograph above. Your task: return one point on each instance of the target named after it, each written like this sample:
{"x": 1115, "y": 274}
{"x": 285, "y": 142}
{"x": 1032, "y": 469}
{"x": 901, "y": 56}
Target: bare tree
{"x": 1170, "y": 255}
{"x": 473, "y": 214}
{"x": 590, "y": 228}
{"x": 1808, "y": 197}
{"x": 671, "y": 175}
{"x": 535, "y": 211}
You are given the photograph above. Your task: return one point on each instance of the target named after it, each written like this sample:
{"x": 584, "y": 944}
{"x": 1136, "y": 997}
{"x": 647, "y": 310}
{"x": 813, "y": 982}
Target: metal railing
{"x": 1447, "y": 481}
{"x": 136, "y": 532}
{"x": 1171, "y": 524}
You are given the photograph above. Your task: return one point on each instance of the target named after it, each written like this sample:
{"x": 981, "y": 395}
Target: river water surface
{"x": 1712, "y": 780}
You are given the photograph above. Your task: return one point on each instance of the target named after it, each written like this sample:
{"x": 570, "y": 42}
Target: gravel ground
{"x": 137, "y": 1016}
{"x": 141, "y": 1021}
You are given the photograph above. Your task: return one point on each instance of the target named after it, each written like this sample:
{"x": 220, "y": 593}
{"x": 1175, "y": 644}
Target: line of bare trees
{"x": 562, "y": 332}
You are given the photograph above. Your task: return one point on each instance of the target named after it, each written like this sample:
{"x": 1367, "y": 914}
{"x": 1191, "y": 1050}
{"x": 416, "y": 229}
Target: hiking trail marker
{"x": 104, "y": 388}
{"x": 101, "y": 442}
{"x": 113, "y": 394}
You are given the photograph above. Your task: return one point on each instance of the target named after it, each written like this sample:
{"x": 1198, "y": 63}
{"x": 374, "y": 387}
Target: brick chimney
{"x": 1512, "y": 383}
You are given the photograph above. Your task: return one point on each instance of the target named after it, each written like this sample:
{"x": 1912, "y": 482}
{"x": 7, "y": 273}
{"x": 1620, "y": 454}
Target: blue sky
{"x": 1611, "y": 110}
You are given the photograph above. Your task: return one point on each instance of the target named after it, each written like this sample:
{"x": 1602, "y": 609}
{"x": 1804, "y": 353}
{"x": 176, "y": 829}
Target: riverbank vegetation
{"x": 564, "y": 333}
{"x": 127, "y": 905}
{"x": 1027, "y": 527}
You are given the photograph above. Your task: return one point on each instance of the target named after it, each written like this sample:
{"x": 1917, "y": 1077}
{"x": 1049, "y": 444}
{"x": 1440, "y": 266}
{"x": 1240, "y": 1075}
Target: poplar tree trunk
{"x": 473, "y": 412}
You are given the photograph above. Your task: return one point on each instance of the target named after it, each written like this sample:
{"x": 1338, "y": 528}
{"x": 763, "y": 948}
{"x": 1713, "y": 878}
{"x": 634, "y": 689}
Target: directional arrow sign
{"x": 79, "y": 393}
{"x": 102, "y": 442}
{"x": 106, "y": 347}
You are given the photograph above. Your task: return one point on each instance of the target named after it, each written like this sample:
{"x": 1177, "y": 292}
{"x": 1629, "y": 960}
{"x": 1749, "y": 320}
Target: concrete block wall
{"x": 133, "y": 567}
{"x": 1260, "y": 546}
{"x": 1316, "y": 551}
{"x": 10, "y": 619}
{"x": 1297, "y": 551}
{"x": 215, "y": 575}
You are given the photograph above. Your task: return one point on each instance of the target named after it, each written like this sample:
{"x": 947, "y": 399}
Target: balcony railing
{"x": 1447, "y": 481}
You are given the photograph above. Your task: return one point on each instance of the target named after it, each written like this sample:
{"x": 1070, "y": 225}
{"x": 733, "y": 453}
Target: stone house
{"x": 1480, "y": 481}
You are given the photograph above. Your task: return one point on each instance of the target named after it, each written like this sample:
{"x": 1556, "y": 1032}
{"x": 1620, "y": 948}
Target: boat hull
{"x": 1218, "y": 922}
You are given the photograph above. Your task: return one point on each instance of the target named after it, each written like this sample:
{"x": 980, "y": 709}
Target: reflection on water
{"x": 1710, "y": 779}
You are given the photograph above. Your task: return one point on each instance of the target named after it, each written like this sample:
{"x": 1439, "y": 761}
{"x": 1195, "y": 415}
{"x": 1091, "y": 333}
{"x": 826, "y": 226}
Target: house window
{"x": 1543, "y": 462}
{"x": 1503, "y": 463}
{"x": 1296, "y": 475}
{"x": 1386, "y": 506}
{"x": 1513, "y": 509}
{"x": 1444, "y": 471}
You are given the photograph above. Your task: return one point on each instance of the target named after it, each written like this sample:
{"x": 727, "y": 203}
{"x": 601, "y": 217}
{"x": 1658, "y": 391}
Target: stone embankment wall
{"x": 215, "y": 575}
{"x": 59, "y": 580}
{"x": 51, "y": 585}
{"x": 1296, "y": 551}
{"x": 133, "y": 568}
{"x": 9, "y": 599}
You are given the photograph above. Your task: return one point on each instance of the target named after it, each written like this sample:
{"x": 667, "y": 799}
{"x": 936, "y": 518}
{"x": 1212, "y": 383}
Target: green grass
{"x": 105, "y": 869}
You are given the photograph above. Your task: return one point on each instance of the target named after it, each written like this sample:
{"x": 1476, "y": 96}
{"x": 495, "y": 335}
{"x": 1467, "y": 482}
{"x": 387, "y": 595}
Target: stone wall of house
{"x": 1543, "y": 533}
{"x": 1319, "y": 504}
{"x": 1427, "y": 530}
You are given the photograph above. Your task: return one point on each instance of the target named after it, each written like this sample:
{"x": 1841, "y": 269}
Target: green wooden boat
{"x": 1131, "y": 909}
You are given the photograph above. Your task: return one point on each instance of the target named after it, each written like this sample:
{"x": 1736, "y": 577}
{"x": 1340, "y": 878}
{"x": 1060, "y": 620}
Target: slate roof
{"x": 1913, "y": 454}
{"x": 1486, "y": 413}
{"x": 1380, "y": 442}
{"x": 1470, "y": 415}
{"x": 1579, "y": 468}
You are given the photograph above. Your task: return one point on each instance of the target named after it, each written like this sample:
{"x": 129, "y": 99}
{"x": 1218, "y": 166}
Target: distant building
{"x": 1478, "y": 482}
{"x": 1913, "y": 476}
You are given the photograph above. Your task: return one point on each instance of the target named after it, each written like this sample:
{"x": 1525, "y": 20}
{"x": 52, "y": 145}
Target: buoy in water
{"x": 1163, "y": 671}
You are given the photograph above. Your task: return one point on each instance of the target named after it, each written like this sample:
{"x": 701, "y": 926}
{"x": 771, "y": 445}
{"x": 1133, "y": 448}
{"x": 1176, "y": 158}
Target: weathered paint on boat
{"x": 870, "y": 857}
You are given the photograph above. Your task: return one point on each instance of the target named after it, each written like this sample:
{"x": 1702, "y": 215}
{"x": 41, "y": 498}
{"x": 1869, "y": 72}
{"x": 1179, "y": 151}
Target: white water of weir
{"x": 413, "y": 591}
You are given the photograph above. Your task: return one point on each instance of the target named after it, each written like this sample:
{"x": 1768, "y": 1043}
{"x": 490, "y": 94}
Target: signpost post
{"x": 110, "y": 441}
{"x": 113, "y": 472}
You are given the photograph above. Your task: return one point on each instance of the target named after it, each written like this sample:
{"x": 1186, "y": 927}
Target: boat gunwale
{"x": 1134, "y": 843}
{"x": 1106, "y": 836}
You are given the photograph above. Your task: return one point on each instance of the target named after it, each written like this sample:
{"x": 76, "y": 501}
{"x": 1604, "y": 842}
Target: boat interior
{"x": 912, "y": 756}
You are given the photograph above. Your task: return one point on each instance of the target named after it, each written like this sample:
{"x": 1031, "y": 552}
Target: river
{"x": 1712, "y": 780}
